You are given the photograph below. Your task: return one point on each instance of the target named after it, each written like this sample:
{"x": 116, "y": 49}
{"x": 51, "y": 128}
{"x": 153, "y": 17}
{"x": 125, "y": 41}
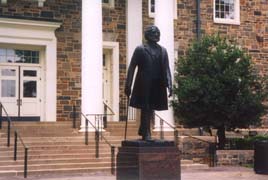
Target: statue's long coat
{"x": 141, "y": 90}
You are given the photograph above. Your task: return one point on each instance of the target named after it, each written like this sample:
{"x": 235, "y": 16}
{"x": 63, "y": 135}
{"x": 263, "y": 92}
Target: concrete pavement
{"x": 218, "y": 173}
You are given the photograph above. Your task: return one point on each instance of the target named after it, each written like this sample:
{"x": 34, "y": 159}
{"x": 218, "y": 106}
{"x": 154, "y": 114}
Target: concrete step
{"x": 57, "y": 148}
{"x": 50, "y": 171}
{"x": 55, "y": 156}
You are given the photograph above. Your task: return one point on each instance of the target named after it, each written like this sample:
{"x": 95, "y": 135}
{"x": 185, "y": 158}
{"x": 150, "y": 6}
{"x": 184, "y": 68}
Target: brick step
{"x": 54, "y": 156}
{"x": 195, "y": 166}
{"x": 57, "y": 147}
{"x": 50, "y": 171}
{"x": 38, "y": 123}
{"x": 59, "y": 151}
{"x": 56, "y": 166}
{"x": 55, "y": 160}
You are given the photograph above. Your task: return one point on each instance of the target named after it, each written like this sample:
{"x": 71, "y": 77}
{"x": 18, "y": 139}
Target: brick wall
{"x": 196, "y": 148}
{"x": 234, "y": 157}
{"x": 251, "y": 34}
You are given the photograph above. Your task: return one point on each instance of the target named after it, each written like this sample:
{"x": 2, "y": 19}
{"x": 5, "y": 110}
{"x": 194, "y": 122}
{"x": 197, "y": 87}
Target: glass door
{"x": 20, "y": 92}
{"x": 9, "y": 90}
{"x": 30, "y": 93}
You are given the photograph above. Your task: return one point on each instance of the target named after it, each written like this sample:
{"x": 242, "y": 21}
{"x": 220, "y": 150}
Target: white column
{"x": 134, "y": 26}
{"x": 91, "y": 100}
{"x": 51, "y": 81}
{"x": 134, "y": 33}
{"x": 164, "y": 20}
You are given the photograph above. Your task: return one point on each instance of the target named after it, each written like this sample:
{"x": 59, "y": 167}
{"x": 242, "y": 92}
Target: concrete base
{"x": 148, "y": 160}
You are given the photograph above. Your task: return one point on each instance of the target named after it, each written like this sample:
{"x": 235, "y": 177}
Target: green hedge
{"x": 245, "y": 143}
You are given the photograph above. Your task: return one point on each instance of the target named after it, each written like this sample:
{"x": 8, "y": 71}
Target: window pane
{"x": 8, "y": 72}
{"x": 152, "y": 6}
{"x": 8, "y": 88}
{"x": 105, "y": 1}
{"x": 29, "y": 88}
{"x": 27, "y": 59}
{"x": 19, "y": 56}
{"x": 29, "y": 73}
{"x": 10, "y": 59}
{"x": 35, "y": 60}
{"x": 10, "y": 52}
{"x": 2, "y": 52}
{"x": 2, "y": 59}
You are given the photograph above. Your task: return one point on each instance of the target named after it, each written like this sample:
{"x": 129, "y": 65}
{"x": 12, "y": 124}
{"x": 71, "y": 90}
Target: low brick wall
{"x": 234, "y": 157}
{"x": 197, "y": 150}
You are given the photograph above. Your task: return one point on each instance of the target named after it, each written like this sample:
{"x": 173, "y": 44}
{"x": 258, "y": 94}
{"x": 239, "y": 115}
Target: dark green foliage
{"x": 217, "y": 86}
{"x": 246, "y": 143}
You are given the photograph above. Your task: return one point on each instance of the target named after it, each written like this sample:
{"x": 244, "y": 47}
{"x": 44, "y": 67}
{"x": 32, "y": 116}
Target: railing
{"x": 128, "y": 113}
{"x": 16, "y": 136}
{"x": 106, "y": 114}
{"x": 2, "y": 108}
{"x": 104, "y": 118}
{"x": 176, "y": 133}
{"x": 211, "y": 149}
{"x": 98, "y": 125}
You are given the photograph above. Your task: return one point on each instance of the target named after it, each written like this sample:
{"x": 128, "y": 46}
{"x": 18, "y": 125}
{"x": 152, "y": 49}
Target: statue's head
{"x": 152, "y": 34}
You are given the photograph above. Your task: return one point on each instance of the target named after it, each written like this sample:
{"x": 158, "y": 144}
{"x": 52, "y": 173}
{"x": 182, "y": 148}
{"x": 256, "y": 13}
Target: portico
{"x": 92, "y": 50}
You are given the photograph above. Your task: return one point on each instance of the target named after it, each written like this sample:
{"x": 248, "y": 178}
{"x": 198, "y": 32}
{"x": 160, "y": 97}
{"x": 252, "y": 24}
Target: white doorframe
{"x": 114, "y": 47}
{"x": 37, "y": 34}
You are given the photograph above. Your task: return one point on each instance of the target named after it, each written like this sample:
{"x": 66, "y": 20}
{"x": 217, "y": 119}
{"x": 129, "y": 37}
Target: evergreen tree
{"x": 218, "y": 87}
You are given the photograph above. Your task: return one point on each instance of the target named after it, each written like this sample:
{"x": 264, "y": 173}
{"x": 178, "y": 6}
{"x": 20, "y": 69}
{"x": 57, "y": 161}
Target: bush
{"x": 246, "y": 143}
{"x": 217, "y": 86}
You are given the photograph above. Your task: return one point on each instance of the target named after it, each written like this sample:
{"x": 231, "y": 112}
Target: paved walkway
{"x": 218, "y": 173}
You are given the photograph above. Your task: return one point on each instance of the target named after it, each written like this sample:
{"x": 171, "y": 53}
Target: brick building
{"x": 58, "y": 53}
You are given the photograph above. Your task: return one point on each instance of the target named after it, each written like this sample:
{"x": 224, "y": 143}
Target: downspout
{"x": 198, "y": 20}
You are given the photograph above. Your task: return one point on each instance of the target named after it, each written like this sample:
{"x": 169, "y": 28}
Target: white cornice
{"x": 32, "y": 23}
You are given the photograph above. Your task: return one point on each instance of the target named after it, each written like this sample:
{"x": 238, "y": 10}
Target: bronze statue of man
{"x": 152, "y": 80}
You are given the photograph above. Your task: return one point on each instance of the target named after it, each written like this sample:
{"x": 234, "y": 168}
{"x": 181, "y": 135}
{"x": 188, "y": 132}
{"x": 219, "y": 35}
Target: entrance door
{"x": 20, "y": 92}
{"x": 107, "y": 78}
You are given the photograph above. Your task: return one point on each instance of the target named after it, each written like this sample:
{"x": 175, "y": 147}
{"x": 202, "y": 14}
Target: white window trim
{"x": 40, "y": 2}
{"x": 3, "y": 1}
{"x": 235, "y": 21}
{"x": 109, "y": 5}
{"x": 152, "y": 15}
{"x": 114, "y": 47}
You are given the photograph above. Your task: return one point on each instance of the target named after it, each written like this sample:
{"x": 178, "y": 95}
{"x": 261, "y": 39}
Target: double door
{"x": 20, "y": 92}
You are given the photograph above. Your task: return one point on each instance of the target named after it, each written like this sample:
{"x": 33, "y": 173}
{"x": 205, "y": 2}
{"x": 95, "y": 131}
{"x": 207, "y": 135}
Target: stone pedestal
{"x": 143, "y": 160}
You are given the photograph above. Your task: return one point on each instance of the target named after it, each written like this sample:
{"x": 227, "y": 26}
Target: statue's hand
{"x": 127, "y": 91}
{"x": 169, "y": 92}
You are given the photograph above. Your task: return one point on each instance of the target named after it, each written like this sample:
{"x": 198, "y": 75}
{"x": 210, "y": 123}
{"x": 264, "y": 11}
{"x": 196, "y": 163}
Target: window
{"x": 152, "y": 8}
{"x": 40, "y": 2}
{"x": 108, "y": 3}
{"x": 18, "y": 56}
{"x": 227, "y": 11}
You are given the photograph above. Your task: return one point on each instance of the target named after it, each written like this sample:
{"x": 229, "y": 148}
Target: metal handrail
{"x": 212, "y": 149}
{"x": 16, "y": 136}
{"x": 110, "y": 109}
{"x": 106, "y": 106}
{"x": 212, "y": 146}
{"x": 190, "y": 136}
{"x": 96, "y": 129}
{"x": 176, "y": 133}
{"x": 165, "y": 121}
{"x": 8, "y": 120}
{"x": 97, "y": 134}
